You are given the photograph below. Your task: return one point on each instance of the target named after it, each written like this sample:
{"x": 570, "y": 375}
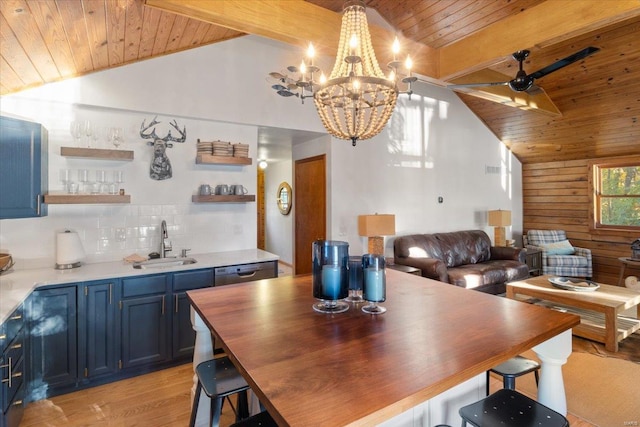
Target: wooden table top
{"x": 352, "y": 368}
{"x": 617, "y": 297}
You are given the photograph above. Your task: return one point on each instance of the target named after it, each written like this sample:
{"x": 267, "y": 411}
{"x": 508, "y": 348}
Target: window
{"x": 616, "y": 194}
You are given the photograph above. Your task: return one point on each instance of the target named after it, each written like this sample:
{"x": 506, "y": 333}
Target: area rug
{"x": 603, "y": 390}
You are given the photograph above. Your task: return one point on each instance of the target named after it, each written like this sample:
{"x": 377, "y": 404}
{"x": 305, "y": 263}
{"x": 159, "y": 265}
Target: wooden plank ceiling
{"x": 598, "y": 98}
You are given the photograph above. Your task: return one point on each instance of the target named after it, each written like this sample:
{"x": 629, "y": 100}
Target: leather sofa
{"x": 462, "y": 258}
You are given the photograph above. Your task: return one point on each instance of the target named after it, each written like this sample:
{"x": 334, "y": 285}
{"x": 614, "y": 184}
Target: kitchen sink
{"x": 164, "y": 262}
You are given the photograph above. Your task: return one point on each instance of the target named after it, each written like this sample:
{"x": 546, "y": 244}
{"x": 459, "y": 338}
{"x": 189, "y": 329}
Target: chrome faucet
{"x": 165, "y": 243}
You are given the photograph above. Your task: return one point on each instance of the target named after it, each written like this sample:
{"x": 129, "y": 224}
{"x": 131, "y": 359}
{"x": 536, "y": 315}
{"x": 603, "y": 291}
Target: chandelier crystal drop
{"x": 358, "y": 99}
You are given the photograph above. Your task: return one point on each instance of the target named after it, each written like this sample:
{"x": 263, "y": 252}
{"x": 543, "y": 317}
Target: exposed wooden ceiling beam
{"x": 545, "y": 24}
{"x": 295, "y": 22}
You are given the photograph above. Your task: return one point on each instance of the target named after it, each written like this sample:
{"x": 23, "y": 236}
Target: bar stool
{"x": 220, "y": 379}
{"x": 513, "y": 368}
{"x": 508, "y": 408}
{"x": 262, "y": 419}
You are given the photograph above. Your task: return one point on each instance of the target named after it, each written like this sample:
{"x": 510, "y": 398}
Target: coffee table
{"x": 599, "y": 310}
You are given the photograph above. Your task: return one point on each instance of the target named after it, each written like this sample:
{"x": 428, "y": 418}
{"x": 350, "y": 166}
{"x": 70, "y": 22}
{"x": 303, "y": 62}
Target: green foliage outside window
{"x": 620, "y": 196}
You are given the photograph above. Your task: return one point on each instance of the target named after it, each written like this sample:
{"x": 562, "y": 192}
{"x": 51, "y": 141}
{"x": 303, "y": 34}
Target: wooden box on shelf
{"x": 222, "y": 160}
{"x": 196, "y": 198}
{"x": 65, "y": 198}
{"x": 96, "y": 153}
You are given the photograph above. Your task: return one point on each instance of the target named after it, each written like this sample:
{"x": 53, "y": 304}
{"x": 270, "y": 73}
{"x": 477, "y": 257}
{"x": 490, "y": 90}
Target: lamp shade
{"x": 376, "y": 225}
{"x": 499, "y": 218}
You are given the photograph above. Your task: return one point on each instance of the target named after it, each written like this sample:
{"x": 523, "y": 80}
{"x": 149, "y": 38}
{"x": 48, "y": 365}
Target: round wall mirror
{"x": 284, "y": 197}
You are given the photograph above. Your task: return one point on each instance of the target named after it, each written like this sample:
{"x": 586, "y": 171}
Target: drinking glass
{"x": 83, "y": 177}
{"x": 330, "y": 275}
{"x": 375, "y": 283}
{"x": 355, "y": 279}
{"x": 65, "y": 178}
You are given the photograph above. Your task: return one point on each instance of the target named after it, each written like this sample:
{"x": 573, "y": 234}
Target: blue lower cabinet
{"x": 97, "y": 329}
{"x": 53, "y": 345}
{"x": 85, "y": 334}
{"x": 145, "y": 317}
{"x": 12, "y": 368}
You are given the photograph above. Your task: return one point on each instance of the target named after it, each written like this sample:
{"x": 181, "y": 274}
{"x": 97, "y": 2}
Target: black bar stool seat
{"x": 513, "y": 368}
{"x": 508, "y": 408}
{"x": 262, "y": 419}
{"x": 220, "y": 379}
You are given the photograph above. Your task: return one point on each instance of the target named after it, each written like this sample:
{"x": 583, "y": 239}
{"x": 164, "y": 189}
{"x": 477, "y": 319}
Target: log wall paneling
{"x": 556, "y": 196}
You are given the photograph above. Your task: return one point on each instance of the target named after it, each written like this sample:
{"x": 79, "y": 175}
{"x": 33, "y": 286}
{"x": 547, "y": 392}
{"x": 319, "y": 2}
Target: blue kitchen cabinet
{"x": 53, "y": 345}
{"x": 145, "y": 319}
{"x": 23, "y": 168}
{"x": 97, "y": 329}
{"x": 184, "y": 336}
{"x": 12, "y": 365}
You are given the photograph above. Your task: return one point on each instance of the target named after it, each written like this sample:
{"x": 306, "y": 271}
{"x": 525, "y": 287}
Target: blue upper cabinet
{"x": 23, "y": 168}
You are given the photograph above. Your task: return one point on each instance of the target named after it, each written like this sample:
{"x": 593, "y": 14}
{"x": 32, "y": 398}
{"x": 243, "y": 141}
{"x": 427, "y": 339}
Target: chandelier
{"x": 357, "y": 99}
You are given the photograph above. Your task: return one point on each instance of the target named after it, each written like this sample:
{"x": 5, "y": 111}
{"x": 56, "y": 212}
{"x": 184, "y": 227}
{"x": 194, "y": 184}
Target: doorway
{"x": 310, "y": 194}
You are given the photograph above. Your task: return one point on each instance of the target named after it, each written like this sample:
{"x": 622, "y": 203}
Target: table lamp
{"x": 499, "y": 219}
{"x": 374, "y": 227}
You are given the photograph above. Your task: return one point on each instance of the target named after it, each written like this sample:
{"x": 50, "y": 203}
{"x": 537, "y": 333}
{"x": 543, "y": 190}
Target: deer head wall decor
{"x": 160, "y": 165}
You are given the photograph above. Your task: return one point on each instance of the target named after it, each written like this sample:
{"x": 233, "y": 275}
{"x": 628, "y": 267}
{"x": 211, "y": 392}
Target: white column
{"x": 202, "y": 352}
{"x": 553, "y": 353}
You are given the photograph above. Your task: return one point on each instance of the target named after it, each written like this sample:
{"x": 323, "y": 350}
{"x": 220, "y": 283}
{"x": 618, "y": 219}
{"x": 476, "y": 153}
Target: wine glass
{"x": 96, "y": 135}
{"x": 330, "y": 275}
{"x": 87, "y": 129}
{"x": 374, "y": 283}
{"x": 116, "y": 136}
{"x": 76, "y": 131}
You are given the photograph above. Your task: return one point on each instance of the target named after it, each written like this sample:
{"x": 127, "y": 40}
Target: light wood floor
{"x": 158, "y": 399}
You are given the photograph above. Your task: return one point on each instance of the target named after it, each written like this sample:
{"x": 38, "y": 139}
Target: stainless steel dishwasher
{"x": 245, "y": 273}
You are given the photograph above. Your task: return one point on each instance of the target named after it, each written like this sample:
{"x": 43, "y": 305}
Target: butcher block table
{"x": 352, "y": 368}
{"x": 599, "y": 310}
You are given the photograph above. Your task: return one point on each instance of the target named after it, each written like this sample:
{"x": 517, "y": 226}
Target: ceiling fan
{"x": 524, "y": 82}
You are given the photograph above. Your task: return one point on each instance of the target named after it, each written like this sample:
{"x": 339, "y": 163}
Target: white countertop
{"x": 16, "y": 285}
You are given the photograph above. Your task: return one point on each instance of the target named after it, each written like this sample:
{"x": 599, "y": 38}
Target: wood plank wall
{"x": 556, "y": 196}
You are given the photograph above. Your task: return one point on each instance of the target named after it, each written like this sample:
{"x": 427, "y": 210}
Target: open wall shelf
{"x": 223, "y": 199}
{"x": 96, "y": 153}
{"x": 70, "y": 199}
{"x": 222, "y": 160}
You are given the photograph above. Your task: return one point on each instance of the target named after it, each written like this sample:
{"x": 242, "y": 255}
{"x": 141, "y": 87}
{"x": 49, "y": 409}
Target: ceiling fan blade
{"x": 564, "y": 62}
{"x": 534, "y": 90}
{"x": 460, "y": 86}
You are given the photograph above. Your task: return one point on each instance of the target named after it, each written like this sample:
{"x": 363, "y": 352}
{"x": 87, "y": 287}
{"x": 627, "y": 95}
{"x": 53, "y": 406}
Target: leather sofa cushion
{"x": 464, "y": 247}
{"x": 489, "y": 272}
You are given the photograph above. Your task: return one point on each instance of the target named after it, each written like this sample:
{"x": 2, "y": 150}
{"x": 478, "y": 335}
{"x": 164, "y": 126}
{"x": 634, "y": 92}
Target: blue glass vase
{"x": 330, "y": 275}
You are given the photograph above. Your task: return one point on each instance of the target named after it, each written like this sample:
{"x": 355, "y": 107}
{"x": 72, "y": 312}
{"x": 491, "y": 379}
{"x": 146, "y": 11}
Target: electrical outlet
{"x": 237, "y": 229}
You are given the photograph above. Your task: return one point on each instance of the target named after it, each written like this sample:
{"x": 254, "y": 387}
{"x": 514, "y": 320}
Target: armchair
{"x": 559, "y": 257}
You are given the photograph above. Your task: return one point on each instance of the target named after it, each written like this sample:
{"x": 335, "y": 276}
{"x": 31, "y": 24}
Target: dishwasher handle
{"x": 247, "y": 273}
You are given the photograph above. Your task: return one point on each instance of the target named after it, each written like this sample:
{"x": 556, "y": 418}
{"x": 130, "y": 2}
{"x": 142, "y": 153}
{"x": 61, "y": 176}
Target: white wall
{"x": 278, "y": 227}
{"x": 434, "y": 146}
